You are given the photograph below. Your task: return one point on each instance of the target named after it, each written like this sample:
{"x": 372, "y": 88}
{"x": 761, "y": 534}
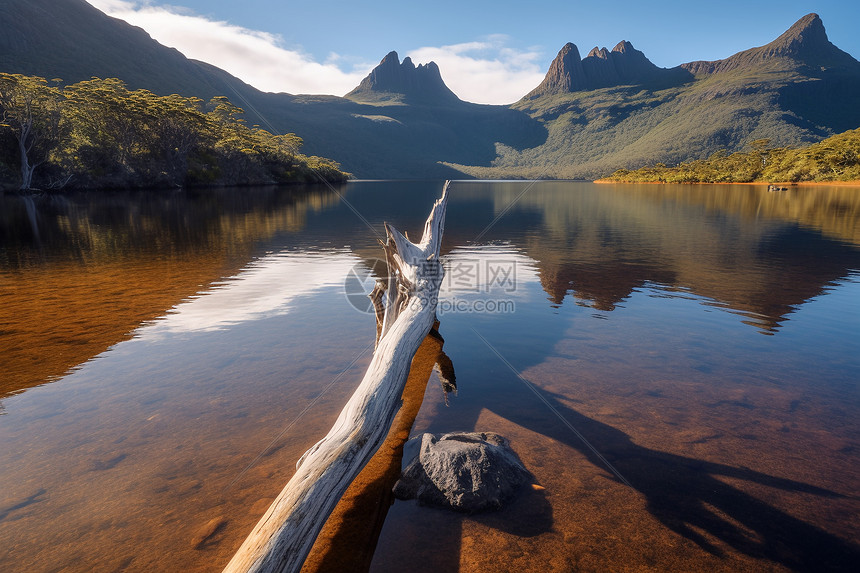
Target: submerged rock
{"x": 464, "y": 471}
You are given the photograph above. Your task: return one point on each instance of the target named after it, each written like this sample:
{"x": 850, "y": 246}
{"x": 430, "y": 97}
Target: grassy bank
{"x": 833, "y": 160}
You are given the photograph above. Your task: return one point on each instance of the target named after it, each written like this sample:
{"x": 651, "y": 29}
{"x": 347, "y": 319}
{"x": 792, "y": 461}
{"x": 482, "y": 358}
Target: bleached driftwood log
{"x": 283, "y": 537}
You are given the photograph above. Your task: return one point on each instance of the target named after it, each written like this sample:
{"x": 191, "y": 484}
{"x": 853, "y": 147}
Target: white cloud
{"x": 487, "y": 71}
{"x": 484, "y": 71}
{"x": 255, "y": 57}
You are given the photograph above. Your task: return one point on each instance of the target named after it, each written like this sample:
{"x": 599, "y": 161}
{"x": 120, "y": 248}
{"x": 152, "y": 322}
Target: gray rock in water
{"x": 468, "y": 472}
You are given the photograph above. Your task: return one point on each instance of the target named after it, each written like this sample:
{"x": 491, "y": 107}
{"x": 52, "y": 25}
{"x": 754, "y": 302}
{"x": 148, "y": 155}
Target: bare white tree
{"x": 284, "y": 536}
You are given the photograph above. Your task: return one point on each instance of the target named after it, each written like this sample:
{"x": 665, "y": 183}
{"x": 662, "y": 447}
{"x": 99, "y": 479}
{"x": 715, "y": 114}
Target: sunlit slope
{"x": 798, "y": 89}
{"x": 591, "y": 116}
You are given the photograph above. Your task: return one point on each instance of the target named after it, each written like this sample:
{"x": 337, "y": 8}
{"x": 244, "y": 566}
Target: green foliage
{"x": 594, "y": 132}
{"x": 99, "y": 134}
{"x": 31, "y": 111}
{"x": 836, "y": 158}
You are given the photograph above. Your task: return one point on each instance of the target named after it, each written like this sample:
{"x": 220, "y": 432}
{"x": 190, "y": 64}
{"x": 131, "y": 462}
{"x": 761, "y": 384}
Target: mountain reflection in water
{"x": 197, "y": 343}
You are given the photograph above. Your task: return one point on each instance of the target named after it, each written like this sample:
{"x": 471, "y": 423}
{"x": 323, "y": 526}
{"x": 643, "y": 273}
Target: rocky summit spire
{"x": 565, "y": 73}
{"x": 805, "y": 42}
{"x": 632, "y": 65}
{"x": 804, "y": 35}
{"x": 624, "y": 65}
{"x": 392, "y": 79}
{"x": 599, "y": 68}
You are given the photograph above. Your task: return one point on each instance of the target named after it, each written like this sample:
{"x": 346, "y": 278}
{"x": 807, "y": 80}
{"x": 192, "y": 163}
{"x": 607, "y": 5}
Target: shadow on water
{"x": 686, "y": 495}
{"x": 349, "y": 537}
{"x": 794, "y": 260}
{"x": 732, "y": 253}
{"x": 741, "y": 248}
{"x": 9, "y": 511}
{"x": 529, "y": 515}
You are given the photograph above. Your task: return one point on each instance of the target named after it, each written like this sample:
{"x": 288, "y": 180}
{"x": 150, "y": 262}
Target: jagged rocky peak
{"x": 805, "y": 33}
{"x": 624, "y": 65}
{"x": 599, "y": 69}
{"x": 632, "y": 65}
{"x": 624, "y": 51}
{"x": 805, "y": 42}
{"x": 599, "y": 53}
{"x": 392, "y": 79}
{"x": 567, "y": 50}
{"x": 391, "y": 61}
{"x": 624, "y": 47}
{"x": 565, "y": 74}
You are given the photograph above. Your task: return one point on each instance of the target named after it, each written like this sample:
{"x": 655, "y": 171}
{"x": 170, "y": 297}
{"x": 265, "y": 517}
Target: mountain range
{"x": 588, "y": 117}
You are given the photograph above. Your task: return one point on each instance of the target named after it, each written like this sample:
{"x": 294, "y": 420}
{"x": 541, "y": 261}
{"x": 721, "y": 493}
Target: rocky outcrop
{"x": 624, "y": 65}
{"x": 391, "y": 78}
{"x": 565, "y": 73}
{"x": 805, "y": 43}
{"x": 599, "y": 68}
{"x": 632, "y": 66}
{"x": 467, "y": 471}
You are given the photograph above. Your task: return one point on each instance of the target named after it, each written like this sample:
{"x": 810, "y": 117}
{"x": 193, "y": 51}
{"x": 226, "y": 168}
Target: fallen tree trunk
{"x": 283, "y": 537}
{"x": 347, "y": 541}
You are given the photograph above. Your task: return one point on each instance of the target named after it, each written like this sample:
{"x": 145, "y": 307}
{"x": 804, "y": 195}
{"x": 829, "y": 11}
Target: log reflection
{"x": 348, "y": 539}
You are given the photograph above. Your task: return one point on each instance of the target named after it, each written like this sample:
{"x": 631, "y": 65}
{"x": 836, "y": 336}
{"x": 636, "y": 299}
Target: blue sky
{"x": 488, "y": 51}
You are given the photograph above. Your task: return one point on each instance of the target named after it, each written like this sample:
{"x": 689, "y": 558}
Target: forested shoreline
{"x": 97, "y": 134}
{"x": 836, "y": 158}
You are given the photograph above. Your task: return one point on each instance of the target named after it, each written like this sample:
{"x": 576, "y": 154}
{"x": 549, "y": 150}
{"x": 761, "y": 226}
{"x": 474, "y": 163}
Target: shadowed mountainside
{"x": 590, "y": 116}
{"x": 71, "y": 40}
{"x": 624, "y": 65}
{"x": 393, "y": 80}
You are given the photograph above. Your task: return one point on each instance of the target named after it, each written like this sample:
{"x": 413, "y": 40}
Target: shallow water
{"x": 676, "y": 365}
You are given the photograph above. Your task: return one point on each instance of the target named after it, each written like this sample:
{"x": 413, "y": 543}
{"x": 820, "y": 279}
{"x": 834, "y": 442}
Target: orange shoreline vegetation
{"x": 853, "y": 183}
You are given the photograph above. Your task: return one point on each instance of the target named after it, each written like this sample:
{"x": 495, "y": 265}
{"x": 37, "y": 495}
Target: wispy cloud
{"x": 255, "y": 57}
{"x": 485, "y": 71}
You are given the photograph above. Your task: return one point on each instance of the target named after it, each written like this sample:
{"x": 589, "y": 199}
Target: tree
{"x": 32, "y": 110}
{"x": 108, "y": 124}
{"x": 177, "y": 129}
{"x": 108, "y": 136}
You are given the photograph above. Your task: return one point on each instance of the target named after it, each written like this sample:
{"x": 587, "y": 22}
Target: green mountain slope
{"x": 590, "y": 116}
{"x": 797, "y": 89}
{"x": 71, "y": 40}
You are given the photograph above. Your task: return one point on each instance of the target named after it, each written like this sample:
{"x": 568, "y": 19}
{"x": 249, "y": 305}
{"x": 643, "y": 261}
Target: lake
{"x": 677, "y": 366}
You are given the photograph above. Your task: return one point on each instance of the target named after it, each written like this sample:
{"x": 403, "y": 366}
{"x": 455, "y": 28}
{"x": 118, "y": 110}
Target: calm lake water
{"x": 676, "y": 365}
